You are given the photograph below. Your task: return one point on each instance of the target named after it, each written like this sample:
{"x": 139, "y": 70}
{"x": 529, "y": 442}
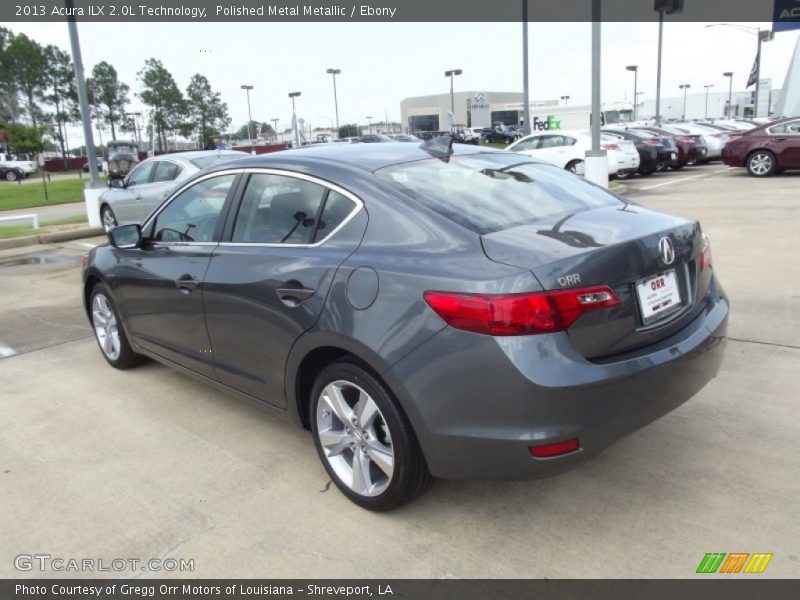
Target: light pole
{"x": 662, "y": 7}
{"x": 729, "y": 75}
{"x": 764, "y": 35}
{"x": 452, "y": 73}
{"x": 708, "y": 86}
{"x": 294, "y": 95}
{"x": 247, "y": 89}
{"x": 136, "y": 132}
{"x": 369, "y": 123}
{"x": 635, "y": 69}
{"x": 526, "y": 99}
{"x": 275, "y": 127}
{"x": 334, "y": 73}
{"x": 684, "y": 87}
{"x": 565, "y": 99}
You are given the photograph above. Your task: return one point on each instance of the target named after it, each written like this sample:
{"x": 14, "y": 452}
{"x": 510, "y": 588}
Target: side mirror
{"x": 116, "y": 183}
{"x": 126, "y": 236}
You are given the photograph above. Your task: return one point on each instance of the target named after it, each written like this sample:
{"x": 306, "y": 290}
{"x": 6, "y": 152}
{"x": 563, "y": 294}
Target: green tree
{"x": 206, "y": 110}
{"x": 28, "y": 65}
{"x": 243, "y": 132}
{"x": 62, "y": 94}
{"x": 348, "y": 130}
{"x": 9, "y": 92}
{"x": 164, "y": 97}
{"x": 25, "y": 139}
{"x": 108, "y": 95}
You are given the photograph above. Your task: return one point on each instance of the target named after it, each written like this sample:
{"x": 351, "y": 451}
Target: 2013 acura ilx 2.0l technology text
{"x": 425, "y": 310}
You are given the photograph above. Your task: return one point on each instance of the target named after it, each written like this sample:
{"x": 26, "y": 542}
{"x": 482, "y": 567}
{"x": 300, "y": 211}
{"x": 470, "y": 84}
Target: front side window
{"x": 141, "y": 174}
{"x": 277, "y": 209}
{"x": 192, "y": 216}
{"x": 492, "y": 192}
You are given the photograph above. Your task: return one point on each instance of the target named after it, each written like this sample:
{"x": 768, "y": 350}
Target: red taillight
{"x": 519, "y": 314}
{"x": 609, "y": 146}
{"x": 555, "y": 449}
{"x": 652, "y": 143}
{"x": 683, "y": 138}
{"x": 705, "y": 254}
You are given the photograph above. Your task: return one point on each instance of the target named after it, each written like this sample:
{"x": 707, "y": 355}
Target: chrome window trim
{"x": 359, "y": 205}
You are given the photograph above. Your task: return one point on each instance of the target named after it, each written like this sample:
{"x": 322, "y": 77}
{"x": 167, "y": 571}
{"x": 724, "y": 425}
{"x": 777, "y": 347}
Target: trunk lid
{"x": 617, "y": 247}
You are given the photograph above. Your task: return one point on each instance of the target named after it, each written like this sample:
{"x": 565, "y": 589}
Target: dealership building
{"x": 473, "y": 109}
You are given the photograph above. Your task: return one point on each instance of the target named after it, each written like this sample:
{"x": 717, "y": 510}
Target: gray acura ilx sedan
{"x": 424, "y": 310}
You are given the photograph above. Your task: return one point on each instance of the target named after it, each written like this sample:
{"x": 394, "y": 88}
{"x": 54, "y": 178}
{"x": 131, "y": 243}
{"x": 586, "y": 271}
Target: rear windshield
{"x": 202, "y": 162}
{"x": 492, "y": 192}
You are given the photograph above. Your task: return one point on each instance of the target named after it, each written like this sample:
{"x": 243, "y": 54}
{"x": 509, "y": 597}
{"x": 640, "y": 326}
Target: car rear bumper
{"x": 477, "y": 403}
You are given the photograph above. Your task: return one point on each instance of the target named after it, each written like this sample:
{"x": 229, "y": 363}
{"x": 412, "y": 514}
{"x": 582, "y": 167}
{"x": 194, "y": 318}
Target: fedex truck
{"x": 553, "y": 118}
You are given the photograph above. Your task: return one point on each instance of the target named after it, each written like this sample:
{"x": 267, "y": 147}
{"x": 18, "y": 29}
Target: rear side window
{"x": 141, "y": 174}
{"x": 278, "y": 210}
{"x": 491, "y": 192}
{"x": 166, "y": 171}
{"x": 337, "y": 208}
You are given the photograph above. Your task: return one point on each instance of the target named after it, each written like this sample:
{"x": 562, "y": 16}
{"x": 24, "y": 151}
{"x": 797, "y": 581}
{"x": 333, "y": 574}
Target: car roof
{"x": 367, "y": 156}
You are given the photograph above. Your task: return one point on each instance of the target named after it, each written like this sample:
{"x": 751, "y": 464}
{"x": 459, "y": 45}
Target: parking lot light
{"x": 247, "y": 89}
{"x": 684, "y": 87}
{"x": 565, "y": 99}
{"x": 275, "y": 127}
{"x": 707, "y": 86}
{"x": 452, "y": 73}
{"x": 635, "y": 69}
{"x": 334, "y": 73}
{"x": 294, "y": 95}
{"x": 729, "y": 75}
{"x": 369, "y": 123}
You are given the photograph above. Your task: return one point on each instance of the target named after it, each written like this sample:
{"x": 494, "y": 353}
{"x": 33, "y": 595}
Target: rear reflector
{"x": 610, "y": 146}
{"x": 557, "y": 449}
{"x": 705, "y": 254}
{"x": 652, "y": 143}
{"x": 519, "y": 314}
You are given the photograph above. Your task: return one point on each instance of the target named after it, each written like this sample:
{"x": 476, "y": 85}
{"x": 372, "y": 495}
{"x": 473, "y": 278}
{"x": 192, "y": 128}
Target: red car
{"x": 766, "y": 149}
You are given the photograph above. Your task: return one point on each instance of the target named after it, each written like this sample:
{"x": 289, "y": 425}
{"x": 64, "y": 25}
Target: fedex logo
{"x": 550, "y": 124}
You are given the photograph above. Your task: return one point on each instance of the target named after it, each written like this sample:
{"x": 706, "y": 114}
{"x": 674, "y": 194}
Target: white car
{"x": 13, "y": 167}
{"x": 567, "y": 149}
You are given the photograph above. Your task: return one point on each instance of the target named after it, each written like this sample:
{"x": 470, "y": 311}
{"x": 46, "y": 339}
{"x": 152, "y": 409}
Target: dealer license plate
{"x": 659, "y": 296}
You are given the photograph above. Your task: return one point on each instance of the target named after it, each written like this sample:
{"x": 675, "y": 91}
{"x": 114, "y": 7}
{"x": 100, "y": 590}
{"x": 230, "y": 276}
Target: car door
{"x": 268, "y": 279}
{"x": 123, "y": 201}
{"x": 551, "y": 149}
{"x": 163, "y": 182}
{"x": 159, "y": 285}
{"x": 786, "y": 143}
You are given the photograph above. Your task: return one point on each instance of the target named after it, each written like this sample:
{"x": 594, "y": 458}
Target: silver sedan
{"x": 131, "y": 199}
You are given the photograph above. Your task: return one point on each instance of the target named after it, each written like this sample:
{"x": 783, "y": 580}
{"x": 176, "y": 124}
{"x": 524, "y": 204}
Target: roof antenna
{"x": 438, "y": 145}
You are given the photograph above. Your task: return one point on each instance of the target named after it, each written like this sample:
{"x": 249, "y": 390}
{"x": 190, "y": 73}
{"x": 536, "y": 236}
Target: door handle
{"x": 186, "y": 283}
{"x": 293, "y": 293}
{"x": 138, "y": 196}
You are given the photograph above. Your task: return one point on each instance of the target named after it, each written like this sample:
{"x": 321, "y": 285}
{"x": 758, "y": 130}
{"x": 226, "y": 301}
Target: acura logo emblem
{"x": 666, "y": 250}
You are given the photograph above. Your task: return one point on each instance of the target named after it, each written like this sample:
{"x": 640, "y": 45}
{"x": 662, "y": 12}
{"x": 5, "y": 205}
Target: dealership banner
{"x": 383, "y": 10}
{"x": 786, "y": 15}
{"x": 705, "y": 587}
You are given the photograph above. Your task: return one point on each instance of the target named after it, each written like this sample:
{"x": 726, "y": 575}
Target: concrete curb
{"x": 50, "y": 238}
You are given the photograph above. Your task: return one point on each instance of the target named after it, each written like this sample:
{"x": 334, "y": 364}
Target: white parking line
{"x": 6, "y": 351}
{"x": 650, "y": 187}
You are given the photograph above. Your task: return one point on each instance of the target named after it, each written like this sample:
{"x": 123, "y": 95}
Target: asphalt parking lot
{"x": 148, "y": 463}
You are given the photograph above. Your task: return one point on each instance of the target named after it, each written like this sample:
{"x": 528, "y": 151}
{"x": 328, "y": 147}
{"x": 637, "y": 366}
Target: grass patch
{"x": 500, "y": 145}
{"x": 13, "y": 231}
{"x": 29, "y": 195}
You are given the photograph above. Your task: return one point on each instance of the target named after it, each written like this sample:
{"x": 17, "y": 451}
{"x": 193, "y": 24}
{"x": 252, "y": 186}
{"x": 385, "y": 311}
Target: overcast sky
{"x": 382, "y": 63}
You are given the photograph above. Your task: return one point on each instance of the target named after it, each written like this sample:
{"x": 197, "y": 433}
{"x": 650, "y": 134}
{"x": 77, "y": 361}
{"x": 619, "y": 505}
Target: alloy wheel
{"x": 761, "y": 163}
{"x": 105, "y": 327}
{"x": 355, "y": 438}
{"x": 108, "y": 218}
{"x": 11, "y": 176}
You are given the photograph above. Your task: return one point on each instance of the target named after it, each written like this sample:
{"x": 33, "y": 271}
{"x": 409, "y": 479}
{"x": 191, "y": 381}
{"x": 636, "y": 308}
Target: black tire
{"x": 677, "y": 167}
{"x": 107, "y": 218}
{"x": 761, "y": 163}
{"x": 411, "y": 477}
{"x": 11, "y": 175}
{"x": 127, "y": 358}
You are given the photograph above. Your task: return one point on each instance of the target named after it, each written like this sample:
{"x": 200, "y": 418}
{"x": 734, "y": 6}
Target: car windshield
{"x": 492, "y": 192}
{"x": 201, "y": 162}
